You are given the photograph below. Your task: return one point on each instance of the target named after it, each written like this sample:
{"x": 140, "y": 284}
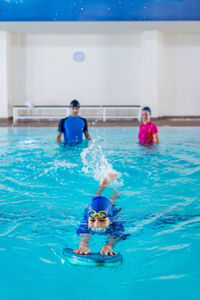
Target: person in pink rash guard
{"x": 148, "y": 133}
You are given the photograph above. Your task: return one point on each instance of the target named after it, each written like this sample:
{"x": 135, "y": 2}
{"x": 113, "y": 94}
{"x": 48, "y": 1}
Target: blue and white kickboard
{"x": 92, "y": 259}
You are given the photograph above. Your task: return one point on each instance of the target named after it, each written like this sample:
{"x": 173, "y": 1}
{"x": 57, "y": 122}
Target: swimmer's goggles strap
{"x": 101, "y": 214}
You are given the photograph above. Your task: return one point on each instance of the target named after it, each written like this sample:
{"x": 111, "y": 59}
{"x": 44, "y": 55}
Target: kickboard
{"x": 92, "y": 259}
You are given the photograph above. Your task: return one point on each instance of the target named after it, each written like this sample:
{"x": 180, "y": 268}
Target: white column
{"x": 4, "y": 103}
{"x": 150, "y": 70}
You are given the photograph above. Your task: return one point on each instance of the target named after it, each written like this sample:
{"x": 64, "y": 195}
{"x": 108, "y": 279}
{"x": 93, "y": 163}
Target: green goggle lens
{"x": 101, "y": 214}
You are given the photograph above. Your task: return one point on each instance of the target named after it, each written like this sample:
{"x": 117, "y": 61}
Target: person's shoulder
{"x": 154, "y": 127}
{"x": 153, "y": 124}
{"x": 141, "y": 125}
{"x": 83, "y": 119}
{"x": 63, "y": 119}
{"x": 116, "y": 227}
{"x": 84, "y": 122}
{"x": 61, "y": 125}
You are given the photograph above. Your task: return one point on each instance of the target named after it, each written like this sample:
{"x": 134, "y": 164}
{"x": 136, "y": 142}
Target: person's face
{"x": 146, "y": 117}
{"x": 74, "y": 111}
{"x": 97, "y": 223}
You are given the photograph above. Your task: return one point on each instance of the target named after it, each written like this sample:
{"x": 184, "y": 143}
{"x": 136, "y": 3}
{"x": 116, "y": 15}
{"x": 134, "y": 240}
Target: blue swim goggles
{"x": 101, "y": 214}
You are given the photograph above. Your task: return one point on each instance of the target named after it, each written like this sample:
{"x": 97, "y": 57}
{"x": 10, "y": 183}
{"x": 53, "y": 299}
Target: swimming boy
{"x": 100, "y": 217}
{"x": 148, "y": 133}
{"x": 73, "y": 126}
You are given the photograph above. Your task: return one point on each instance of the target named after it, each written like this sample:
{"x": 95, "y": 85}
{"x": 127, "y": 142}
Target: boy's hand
{"x": 106, "y": 180}
{"x": 107, "y": 250}
{"x": 82, "y": 250}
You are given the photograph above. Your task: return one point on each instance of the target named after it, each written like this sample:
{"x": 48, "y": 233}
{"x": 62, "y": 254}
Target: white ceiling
{"x": 99, "y": 27}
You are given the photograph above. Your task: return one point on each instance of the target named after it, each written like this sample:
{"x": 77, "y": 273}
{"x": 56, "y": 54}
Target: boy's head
{"x": 98, "y": 224}
{"x": 100, "y": 213}
{"x": 146, "y": 114}
{"x": 74, "y": 108}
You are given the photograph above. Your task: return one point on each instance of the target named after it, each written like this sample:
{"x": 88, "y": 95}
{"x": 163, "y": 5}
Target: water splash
{"x": 96, "y": 165}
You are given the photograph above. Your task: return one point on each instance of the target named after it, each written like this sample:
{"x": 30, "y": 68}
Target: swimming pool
{"x": 44, "y": 189}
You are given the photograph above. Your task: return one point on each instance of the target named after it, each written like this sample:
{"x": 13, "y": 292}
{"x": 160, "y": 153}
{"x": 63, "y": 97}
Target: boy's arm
{"x": 108, "y": 247}
{"x": 114, "y": 197}
{"x": 117, "y": 236}
{"x": 99, "y": 191}
{"x": 85, "y": 240}
{"x": 84, "y": 243}
{"x": 105, "y": 181}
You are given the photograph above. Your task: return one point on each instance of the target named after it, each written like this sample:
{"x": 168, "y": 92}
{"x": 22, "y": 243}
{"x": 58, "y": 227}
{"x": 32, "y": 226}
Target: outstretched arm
{"x": 114, "y": 197}
{"x": 105, "y": 181}
{"x": 108, "y": 247}
{"x": 84, "y": 243}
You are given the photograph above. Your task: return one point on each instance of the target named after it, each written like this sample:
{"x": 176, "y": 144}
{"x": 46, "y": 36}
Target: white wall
{"x": 4, "y": 76}
{"x": 110, "y": 73}
{"x": 16, "y": 70}
{"x": 149, "y": 67}
{"x": 179, "y": 75}
{"x": 12, "y": 72}
{"x": 161, "y": 70}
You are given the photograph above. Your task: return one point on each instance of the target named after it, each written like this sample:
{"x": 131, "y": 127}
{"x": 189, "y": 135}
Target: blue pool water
{"x": 44, "y": 189}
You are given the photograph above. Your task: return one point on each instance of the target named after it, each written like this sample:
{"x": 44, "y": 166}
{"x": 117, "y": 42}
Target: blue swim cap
{"x": 74, "y": 103}
{"x": 101, "y": 203}
{"x": 147, "y": 109}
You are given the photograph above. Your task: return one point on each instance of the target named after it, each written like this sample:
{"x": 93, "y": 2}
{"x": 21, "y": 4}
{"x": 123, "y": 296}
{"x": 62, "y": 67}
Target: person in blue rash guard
{"x": 73, "y": 126}
{"x": 101, "y": 217}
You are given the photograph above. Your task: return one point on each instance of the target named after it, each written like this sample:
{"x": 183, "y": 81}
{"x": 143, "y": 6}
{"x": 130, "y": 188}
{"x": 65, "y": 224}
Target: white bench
{"x": 105, "y": 112}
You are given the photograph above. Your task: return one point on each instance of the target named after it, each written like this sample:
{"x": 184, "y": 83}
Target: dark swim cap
{"x": 74, "y": 103}
{"x": 101, "y": 203}
{"x": 146, "y": 108}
